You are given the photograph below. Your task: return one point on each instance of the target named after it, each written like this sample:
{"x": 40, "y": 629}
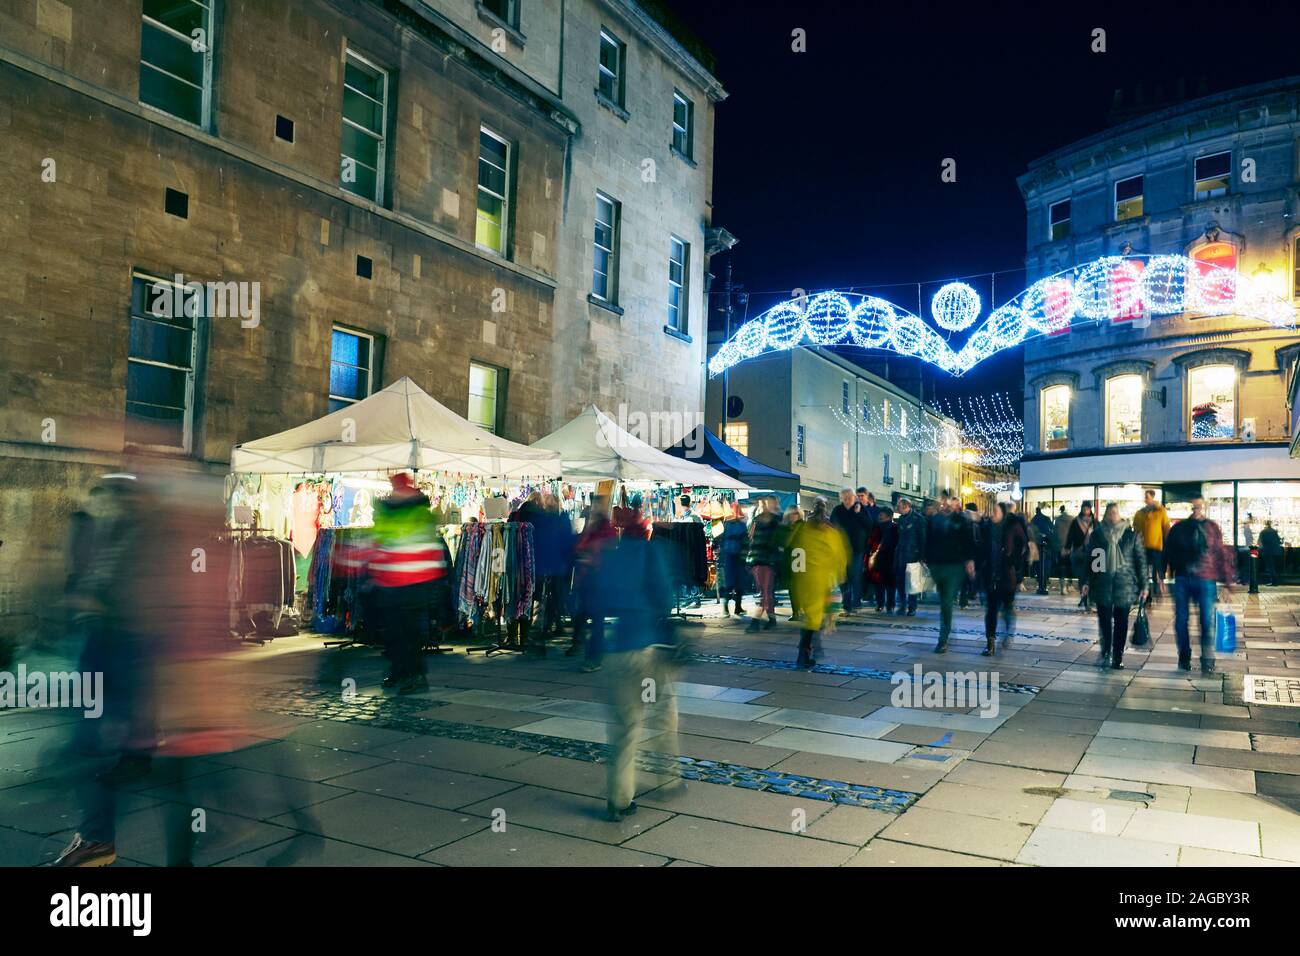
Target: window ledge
{"x": 487, "y": 16}
{"x": 682, "y": 156}
{"x": 613, "y": 107}
{"x": 593, "y": 299}
{"x": 677, "y": 334}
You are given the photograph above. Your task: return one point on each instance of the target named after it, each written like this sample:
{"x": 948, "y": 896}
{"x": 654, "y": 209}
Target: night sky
{"x": 827, "y": 163}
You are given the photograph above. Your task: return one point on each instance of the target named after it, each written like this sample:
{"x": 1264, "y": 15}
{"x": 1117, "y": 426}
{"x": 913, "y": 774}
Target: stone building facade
{"x": 399, "y": 188}
{"x": 1187, "y": 403}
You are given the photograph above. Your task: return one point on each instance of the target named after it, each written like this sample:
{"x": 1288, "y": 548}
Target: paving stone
{"x": 343, "y": 735}
{"x": 1108, "y": 818}
{"x": 559, "y": 773}
{"x": 853, "y": 825}
{"x": 1053, "y": 847}
{"x": 1142, "y": 749}
{"x": 1050, "y": 724}
{"x": 572, "y": 728}
{"x": 483, "y": 716}
{"x": 247, "y": 793}
{"x": 732, "y": 751}
{"x": 1012, "y": 806}
{"x": 721, "y": 708}
{"x": 1176, "y": 735}
{"x": 1155, "y": 718}
{"x": 571, "y": 814}
{"x": 1279, "y": 841}
{"x": 1242, "y": 806}
{"x": 1059, "y": 752}
{"x": 141, "y": 836}
{"x": 1181, "y": 707}
{"x": 1189, "y": 829}
{"x": 1268, "y": 743}
{"x": 768, "y": 811}
{"x": 890, "y": 853}
{"x": 1127, "y": 793}
{"x": 18, "y": 848}
{"x": 937, "y": 718}
{"x": 301, "y": 761}
{"x": 991, "y": 776}
{"x": 837, "y": 745}
{"x": 466, "y": 756}
{"x": 308, "y": 850}
{"x": 44, "y": 808}
{"x": 725, "y": 844}
{"x": 811, "y": 720}
{"x": 1248, "y": 760}
{"x": 396, "y": 826}
{"x": 436, "y": 787}
{"x": 861, "y": 772}
{"x": 523, "y": 846}
{"x": 935, "y": 737}
{"x": 1155, "y": 771}
{"x": 747, "y": 731}
{"x": 1198, "y": 856}
{"x": 959, "y": 832}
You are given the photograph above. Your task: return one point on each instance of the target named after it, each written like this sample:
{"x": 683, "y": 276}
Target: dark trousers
{"x": 901, "y": 598}
{"x": 851, "y": 589}
{"x": 551, "y": 601}
{"x": 995, "y": 601}
{"x": 404, "y": 615}
{"x": 1156, "y": 560}
{"x": 884, "y": 595}
{"x": 584, "y": 619}
{"x": 1202, "y": 592}
{"x": 1113, "y": 620}
{"x": 1270, "y": 562}
{"x": 1044, "y": 568}
{"x": 948, "y": 581}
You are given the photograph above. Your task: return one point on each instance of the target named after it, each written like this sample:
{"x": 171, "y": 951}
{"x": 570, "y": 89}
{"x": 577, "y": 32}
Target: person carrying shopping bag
{"x": 1115, "y": 578}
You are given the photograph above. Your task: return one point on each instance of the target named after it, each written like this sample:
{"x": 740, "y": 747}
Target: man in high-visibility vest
{"x": 407, "y": 568}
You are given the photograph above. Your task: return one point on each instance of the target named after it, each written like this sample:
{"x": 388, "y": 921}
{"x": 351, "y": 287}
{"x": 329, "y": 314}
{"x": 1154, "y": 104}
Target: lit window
{"x": 1220, "y": 291}
{"x": 801, "y": 445}
{"x": 1124, "y": 410}
{"x": 679, "y": 263}
{"x": 507, "y": 11}
{"x": 161, "y": 357}
{"x": 484, "y": 395}
{"x": 886, "y": 413}
{"x": 176, "y": 58}
{"x": 492, "y": 225}
{"x": 1058, "y": 220}
{"x": 846, "y": 462}
{"x": 1055, "y": 401}
{"x": 1213, "y": 175}
{"x": 1212, "y": 398}
{"x": 612, "y": 52}
{"x": 1128, "y": 198}
{"x": 736, "y": 434}
{"x": 604, "y": 277}
{"x": 351, "y": 367}
{"x": 365, "y": 107}
{"x": 683, "y": 125}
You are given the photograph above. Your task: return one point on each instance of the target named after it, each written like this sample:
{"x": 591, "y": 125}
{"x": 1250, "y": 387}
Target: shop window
{"x": 1212, "y": 399}
{"x": 486, "y": 391}
{"x": 492, "y": 223}
{"x": 736, "y": 434}
{"x": 604, "y": 276}
{"x": 1274, "y": 501}
{"x": 801, "y": 445}
{"x": 679, "y": 265}
{"x": 1128, "y": 198}
{"x": 613, "y": 55}
{"x": 351, "y": 367}
{"x": 1213, "y": 175}
{"x": 1124, "y": 410}
{"x": 161, "y": 358}
{"x": 683, "y": 125}
{"x": 1055, "y": 417}
{"x": 1058, "y": 220}
{"x": 176, "y": 58}
{"x": 365, "y": 119}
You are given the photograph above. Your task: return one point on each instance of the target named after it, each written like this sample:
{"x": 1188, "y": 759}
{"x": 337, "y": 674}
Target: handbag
{"x": 918, "y": 578}
{"x": 1141, "y": 628}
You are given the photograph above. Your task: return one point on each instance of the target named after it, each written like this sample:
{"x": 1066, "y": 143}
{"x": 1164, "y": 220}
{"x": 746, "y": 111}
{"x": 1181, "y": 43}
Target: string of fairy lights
{"x": 977, "y": 430}
{"x": 1112, "y": 288}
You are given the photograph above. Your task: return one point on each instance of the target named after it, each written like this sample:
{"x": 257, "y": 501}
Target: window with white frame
{"x": 800, "y": 445}
{"x": 176, "y": 58}
{"x": 916, "y": 477}
{"x": 351, "y": 367}
{"x": 683, "y": 125}
{"x": 365, "y": 123}
{"x": 1213, "y": 175}
{"x": 162, "y": 355}
{"x": 485, "y": 394}
{"x": 613, "y": 55}
{"x": 1128, "y": 198}
{"x": 902, "y": 421}
{"x": 885, "y": 413}
{"x": 1054, "y": 419}
{"x": 846, "y": 460}
{"x": 604, "y": 275}
{"x": 1058, "y": 220}
{"x": 1212, "y": 400}
{"x": 1124, "y": 410}
{"x": 679, "y": 265}
{"x": 736, "y": 434}
{"x": 492, "y": 222}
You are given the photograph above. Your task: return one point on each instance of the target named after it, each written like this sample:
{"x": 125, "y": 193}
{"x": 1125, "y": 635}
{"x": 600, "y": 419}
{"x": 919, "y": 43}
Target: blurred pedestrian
{"x": 882, "y": 546}
{"x": 1151, "y": 524}
{"x": 792, "y": 518}
{"x": 1076, "y": 547}
{"x": 819, "y": 561}
{"x": 1045, "y": 538}
{"x": 909, "y": 550}
{"x": 733, "y": 545}
{"x": 553, "y": 542}
{"x": 1002, "y": 545}
{"x": 850, "y": 516}
{"x": 588, "y": 622}
{"x": 1270, "y": 551}
{"x": 1115, "y": 578}
{"x": 969, "y": 586}
{"x": 950, "y": 554}
{"x": 764, "y": 554}
{"x": 1195, "y": 551}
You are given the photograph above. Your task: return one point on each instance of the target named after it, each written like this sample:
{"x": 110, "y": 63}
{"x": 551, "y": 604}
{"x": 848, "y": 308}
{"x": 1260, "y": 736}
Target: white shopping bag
{"x": 918, "y": 578}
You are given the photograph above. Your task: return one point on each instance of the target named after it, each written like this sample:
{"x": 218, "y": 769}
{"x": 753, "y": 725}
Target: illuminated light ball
{"x": 1107, "y": 288}
{"x": 1048, "y": 304}
{"x": 908, "y": 334}
{"x": 1164, "y": 284}
{"x": 1213, "y": 290}
{"x": 750, "y": 338}
{"x": 1006, "y": 327}
{"x": 827, "y": 318}
{"x": 955, "y": 306}
{"x": 871, "y": 322}
{"x": 783, "y": 325}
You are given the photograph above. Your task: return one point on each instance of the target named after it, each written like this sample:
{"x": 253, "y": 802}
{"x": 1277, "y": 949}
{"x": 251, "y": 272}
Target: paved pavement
{"x": 501, "y": 761}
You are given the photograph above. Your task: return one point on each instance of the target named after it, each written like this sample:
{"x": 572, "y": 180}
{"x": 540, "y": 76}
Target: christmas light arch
{"x": 1113, "y": 288}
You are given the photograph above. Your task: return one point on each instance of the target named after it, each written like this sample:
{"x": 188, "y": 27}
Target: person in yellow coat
{"x": 819, "y": 555}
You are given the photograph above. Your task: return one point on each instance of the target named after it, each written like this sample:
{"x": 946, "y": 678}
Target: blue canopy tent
{"x": 705, "y": 448}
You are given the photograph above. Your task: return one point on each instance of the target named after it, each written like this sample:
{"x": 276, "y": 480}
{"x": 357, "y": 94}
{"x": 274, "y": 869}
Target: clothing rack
{"x": 249, "y": 595}
{"x": 495, "y": 582}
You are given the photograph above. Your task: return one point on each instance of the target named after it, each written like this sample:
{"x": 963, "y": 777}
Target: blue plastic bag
{"x": 1225, "y": 632}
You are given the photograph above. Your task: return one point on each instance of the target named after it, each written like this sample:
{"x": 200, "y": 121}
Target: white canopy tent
{"x": 398, "y": 427}
{"x": 593, "y": 447}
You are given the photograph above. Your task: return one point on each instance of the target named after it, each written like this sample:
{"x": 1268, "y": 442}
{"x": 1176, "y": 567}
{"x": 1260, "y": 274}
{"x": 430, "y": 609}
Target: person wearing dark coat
{"x": 764, "y": 556}
{"x": 1044, "y": 535}
{"x": 881, "y": 547}
{"x": 734, "y": 572}
{"x": 1003, "y": 543}
{"x": 1270, "y": 550}
{"x": 910, "y": 549}
{"x": 1114, "y": 578}
{"x": 1076, "y": 541}
{"x": 950, "y": 554}
{"x": 850, "y": 516}
{"x": 553, "y": 542}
